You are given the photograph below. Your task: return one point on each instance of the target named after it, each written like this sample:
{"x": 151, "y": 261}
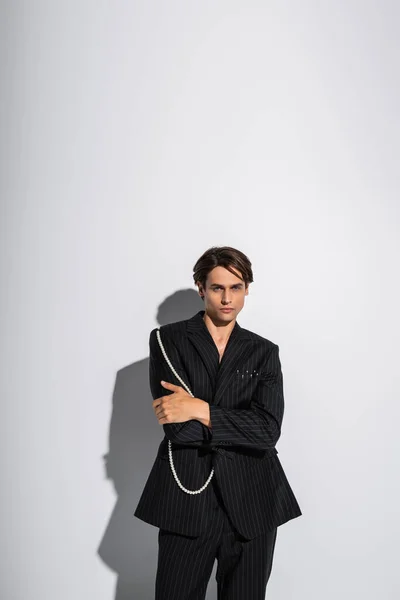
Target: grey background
{"x": 134, "y": 136}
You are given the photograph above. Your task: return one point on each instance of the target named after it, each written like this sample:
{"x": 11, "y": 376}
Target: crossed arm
{"x": 256, "y": 427}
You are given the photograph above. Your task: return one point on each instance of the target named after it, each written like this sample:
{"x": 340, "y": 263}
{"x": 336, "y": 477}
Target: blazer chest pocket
{"x": 244, "y": 383}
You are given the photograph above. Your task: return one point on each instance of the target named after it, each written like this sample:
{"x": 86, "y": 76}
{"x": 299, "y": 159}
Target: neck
{"x": 220, "y": 331}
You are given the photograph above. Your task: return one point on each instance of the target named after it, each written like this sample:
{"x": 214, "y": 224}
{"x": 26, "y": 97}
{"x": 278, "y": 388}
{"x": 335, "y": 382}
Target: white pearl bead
{"x": 171, "y": 462}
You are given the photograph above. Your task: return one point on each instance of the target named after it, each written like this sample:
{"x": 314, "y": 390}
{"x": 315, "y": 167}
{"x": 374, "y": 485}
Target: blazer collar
{"x": 238, "y": 348}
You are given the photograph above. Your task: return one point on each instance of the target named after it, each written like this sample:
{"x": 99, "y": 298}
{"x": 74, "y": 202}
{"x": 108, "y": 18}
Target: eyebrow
{"x": 220, "y": 285}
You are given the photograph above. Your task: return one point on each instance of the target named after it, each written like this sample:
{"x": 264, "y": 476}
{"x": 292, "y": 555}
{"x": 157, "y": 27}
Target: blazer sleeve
{"x": 260, "y": 425}
{"x": 189, "y": 432}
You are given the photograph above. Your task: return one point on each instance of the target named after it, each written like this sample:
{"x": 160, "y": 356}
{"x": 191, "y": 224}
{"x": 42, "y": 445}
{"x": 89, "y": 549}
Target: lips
{"x": 226, "y": 310}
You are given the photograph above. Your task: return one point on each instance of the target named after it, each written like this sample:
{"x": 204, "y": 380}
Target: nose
{"x": 226, "y": 298}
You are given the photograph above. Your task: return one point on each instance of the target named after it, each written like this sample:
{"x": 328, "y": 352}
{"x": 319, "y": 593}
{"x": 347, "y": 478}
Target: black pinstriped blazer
{"x": 245, "y": 393}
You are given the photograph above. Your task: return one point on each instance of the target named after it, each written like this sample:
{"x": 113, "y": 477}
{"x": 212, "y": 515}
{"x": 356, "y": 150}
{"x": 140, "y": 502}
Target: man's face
{"x": 223, "y": 290}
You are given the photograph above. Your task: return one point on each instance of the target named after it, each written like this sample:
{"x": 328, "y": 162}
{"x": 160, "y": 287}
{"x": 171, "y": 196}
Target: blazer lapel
{"x": 237, "y": 350}
{"x": 201, "y": 339}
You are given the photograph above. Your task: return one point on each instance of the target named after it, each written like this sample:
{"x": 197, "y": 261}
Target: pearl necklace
{"x": 171, "y": 462}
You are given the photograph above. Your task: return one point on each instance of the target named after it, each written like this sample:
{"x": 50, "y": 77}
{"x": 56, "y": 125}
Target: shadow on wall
{"x": 129, "y": 546}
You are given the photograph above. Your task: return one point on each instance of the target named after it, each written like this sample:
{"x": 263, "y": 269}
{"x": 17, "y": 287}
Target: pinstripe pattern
{"x": 185, "y": 563}
{"x": 245, "y": 393}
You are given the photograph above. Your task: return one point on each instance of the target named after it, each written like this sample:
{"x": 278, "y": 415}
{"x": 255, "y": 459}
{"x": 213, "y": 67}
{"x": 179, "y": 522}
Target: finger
{"x": 158, "y": 410}
{"x": 170, "y": 386}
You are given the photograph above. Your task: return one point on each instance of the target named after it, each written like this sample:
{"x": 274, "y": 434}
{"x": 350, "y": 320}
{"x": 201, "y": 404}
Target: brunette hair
{"x": 222, "y": 256}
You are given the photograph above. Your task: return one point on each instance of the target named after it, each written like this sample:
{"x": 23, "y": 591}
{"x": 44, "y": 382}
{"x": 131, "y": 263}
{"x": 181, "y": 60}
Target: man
{"x": 230, "y": 425}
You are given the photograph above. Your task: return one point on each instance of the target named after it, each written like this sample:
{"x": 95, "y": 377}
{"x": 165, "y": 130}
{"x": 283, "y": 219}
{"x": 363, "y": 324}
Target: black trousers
{"x": 185, "y": 563}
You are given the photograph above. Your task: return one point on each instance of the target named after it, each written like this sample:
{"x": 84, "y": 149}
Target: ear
{"x": 201, "y": 293}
